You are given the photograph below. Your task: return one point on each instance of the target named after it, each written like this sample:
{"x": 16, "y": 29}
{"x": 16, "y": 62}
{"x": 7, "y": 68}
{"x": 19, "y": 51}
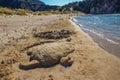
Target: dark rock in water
{"x": 51, "y": 54}
{"x": 54, "y": 34}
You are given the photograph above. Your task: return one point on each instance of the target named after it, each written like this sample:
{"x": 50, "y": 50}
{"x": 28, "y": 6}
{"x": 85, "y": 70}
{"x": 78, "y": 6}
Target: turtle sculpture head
{"x": 31, "y": 56}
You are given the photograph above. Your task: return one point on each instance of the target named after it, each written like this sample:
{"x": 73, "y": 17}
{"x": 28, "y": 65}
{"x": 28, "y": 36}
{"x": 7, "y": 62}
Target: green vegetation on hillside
{"x": 8, "y": 11}
{"x": 22, "y": 12}
{"x": 94, "y": 6}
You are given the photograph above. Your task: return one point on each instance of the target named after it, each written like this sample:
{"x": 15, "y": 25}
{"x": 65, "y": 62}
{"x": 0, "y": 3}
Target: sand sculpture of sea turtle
{"x": 52, "y": 53}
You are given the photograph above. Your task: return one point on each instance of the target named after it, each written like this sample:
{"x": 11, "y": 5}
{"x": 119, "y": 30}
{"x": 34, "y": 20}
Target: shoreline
{"x": 78, "y": 28}
{"x": 107, "y": 44}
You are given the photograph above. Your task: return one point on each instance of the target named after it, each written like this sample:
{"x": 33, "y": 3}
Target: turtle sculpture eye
{"x": 31, "y": 57}
{"x": 29, "y": 53}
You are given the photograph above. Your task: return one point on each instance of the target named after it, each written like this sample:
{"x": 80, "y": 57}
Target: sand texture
{"x": 18, "y": 36}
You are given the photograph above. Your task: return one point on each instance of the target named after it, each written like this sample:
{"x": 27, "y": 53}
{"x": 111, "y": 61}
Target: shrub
{"x": 21, "y": 12}
{"x": 6, "y": 11}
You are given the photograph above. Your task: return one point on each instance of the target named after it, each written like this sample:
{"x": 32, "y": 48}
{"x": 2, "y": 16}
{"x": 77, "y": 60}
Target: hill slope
{"x": 86, "y": 6}
{"x": 95, "y": 6}
{"x": 34, "y": 5}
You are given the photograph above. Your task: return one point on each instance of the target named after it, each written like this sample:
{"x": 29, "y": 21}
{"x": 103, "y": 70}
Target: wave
{"x": 94, "y": 32}
{"x": 100, "y": 35}
{"x": 73, "y": 19}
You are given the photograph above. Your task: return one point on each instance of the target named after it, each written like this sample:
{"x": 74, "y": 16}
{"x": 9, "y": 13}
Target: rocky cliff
{"x": 86, "y": 6}
{"x": 105, "y": 6}
{"x": 34, "y": 5}
{"x": 95, "y": 6}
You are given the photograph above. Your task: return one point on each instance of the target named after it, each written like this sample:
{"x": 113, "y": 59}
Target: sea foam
{"x": 101, "y": 35}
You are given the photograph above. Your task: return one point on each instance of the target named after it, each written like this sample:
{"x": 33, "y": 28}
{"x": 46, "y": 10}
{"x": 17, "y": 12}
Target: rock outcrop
{"x": 94, "y": 6}
{"x": 105, "y": 6}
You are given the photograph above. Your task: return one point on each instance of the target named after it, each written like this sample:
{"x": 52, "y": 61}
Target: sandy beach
{"x": 90, "y": 62}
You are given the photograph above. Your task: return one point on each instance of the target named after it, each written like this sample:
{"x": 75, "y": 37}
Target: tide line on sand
{"x": 78, "y": 28}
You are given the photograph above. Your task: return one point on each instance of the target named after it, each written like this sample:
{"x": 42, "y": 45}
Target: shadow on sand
{"x": 33, "y": 66}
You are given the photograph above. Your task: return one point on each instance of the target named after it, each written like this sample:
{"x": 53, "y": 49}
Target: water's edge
{"x": 107, "y": 44}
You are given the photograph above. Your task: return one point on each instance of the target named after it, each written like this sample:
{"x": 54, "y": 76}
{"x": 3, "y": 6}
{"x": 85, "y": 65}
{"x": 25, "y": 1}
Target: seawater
{"x": 105, "y": 26}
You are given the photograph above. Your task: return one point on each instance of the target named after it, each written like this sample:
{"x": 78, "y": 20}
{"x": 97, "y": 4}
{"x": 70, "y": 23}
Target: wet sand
{"x": 112, "y": 47}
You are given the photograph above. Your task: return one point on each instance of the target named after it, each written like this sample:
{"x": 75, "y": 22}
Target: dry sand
{"x": 90, "y": 61}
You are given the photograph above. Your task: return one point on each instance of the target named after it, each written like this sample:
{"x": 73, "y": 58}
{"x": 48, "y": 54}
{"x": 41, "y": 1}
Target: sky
{"x": 58, "y": 2}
